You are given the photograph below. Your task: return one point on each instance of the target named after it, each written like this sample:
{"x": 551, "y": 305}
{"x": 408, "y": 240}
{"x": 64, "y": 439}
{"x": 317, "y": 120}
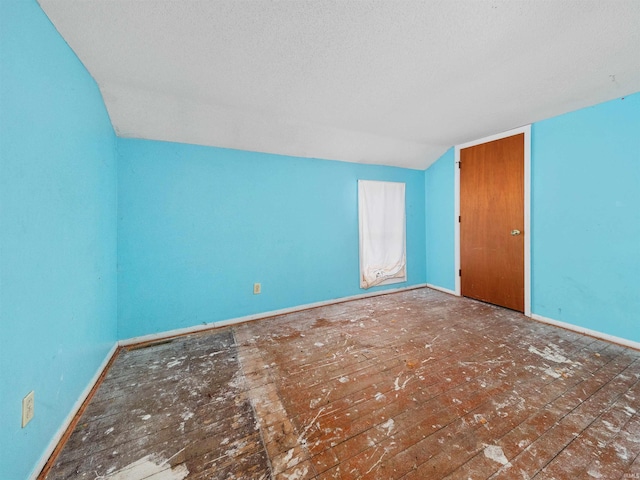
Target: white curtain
{"x": 381, "y": 214}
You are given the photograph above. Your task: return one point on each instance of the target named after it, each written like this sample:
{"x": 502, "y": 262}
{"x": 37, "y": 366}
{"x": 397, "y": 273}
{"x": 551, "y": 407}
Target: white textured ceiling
{"x": 384, "y": 82}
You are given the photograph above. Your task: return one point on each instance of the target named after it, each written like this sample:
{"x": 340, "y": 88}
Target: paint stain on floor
{"x": 147, "y": 467}
{"x": 170, "y": 411}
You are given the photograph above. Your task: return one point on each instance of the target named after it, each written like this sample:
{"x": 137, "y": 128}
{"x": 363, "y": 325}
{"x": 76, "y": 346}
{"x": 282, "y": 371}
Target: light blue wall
{"x": 585, "y": 226}
{"x": 440, "y": 207}
{"x": 197, "y": 226}
{"x": 586, "y": 218}
{"x": 57, "y": 232}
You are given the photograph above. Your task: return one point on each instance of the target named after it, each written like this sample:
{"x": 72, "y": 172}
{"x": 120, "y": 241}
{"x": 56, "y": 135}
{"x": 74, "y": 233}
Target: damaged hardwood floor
{"x": 412, "y": 385}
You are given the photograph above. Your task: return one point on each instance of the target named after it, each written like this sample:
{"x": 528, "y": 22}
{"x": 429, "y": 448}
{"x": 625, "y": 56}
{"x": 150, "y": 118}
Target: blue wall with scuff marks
{"x": 585, "y": 218}
{"x": 198, "y": 226}
{"x": 57, "y": 232}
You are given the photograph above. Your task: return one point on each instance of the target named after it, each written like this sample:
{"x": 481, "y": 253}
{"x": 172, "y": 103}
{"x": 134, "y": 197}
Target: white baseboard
{"x": 233, "y": 321}
{"x": 586, "y": 331}
{"x": 72, "y": 413}
{"x": 441, "y": 289}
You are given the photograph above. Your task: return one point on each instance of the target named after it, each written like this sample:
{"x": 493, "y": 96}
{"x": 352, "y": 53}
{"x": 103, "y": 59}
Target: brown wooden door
{"x": 491, "y": 208}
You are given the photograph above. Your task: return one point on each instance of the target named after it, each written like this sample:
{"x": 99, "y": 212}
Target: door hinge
{"x": 459, "y": 218}
{"x": 459, "y": 164}
{"x": 460, "y": 272}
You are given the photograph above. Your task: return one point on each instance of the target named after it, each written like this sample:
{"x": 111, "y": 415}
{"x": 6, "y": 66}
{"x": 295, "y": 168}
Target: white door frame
{"x": 527, "y": 207}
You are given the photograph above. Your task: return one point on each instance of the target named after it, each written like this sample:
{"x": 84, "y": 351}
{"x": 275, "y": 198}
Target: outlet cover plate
{"x": 28, "y": 404}
{"x": 257, "y": 288}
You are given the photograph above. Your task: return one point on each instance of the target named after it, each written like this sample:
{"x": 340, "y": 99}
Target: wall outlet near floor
{"x": 27, "y": 408}
{"x": 257, "y": 288}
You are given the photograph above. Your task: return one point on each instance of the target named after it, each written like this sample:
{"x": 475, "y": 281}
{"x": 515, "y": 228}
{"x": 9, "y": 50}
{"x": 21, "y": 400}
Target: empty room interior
{"x": 319, "y": 240}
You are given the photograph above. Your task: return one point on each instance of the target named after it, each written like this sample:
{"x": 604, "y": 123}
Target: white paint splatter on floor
{"x": 146, "y": 467}
{"x": 594, "y": 473}
{"x": 287, "y": 458}
{"x": 549, "y": 371}
{"x": 174, "y": 363}
{"x": 377, "y": 461}
{"x": 495, "y": 453}
{"x": 397, "y": 386}
{"x": 551, "y": 353}
{"x": 621, "y": 451}
{"x": 478, "y": 418}
{"x": 388, "y": 426}
{"x": 297, "y": 474}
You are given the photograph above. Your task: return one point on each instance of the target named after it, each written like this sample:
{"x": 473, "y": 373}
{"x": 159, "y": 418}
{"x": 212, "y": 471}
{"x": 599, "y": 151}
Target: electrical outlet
{"x": 257, "y": 288}
{"x": 27, "y": 408}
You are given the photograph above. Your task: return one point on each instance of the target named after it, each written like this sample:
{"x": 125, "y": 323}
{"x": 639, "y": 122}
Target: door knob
{"x": 515, "y": 232}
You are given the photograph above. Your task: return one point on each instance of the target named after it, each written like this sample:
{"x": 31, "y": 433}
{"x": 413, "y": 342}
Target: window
{"x": 381, "y": 217}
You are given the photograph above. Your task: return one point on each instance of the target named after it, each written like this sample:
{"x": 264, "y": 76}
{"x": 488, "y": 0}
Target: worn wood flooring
{"x": 413, "y": 385}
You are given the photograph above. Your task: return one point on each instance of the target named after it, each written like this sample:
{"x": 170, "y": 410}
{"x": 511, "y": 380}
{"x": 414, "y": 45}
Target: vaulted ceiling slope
{"x": 383, "y": 82}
